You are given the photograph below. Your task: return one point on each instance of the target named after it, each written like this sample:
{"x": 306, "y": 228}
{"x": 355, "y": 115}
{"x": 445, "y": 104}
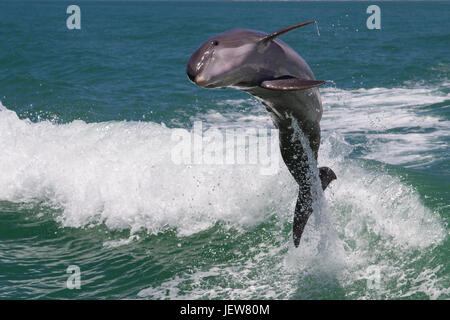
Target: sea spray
{"x": 316, "y": 24}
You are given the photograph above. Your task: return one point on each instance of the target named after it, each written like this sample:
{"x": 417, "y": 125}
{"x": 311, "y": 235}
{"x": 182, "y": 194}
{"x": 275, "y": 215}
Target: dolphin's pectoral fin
{"x": 326, "y": 176}
{"x": 303, "y": 209}
{"x": 290, "y": 84}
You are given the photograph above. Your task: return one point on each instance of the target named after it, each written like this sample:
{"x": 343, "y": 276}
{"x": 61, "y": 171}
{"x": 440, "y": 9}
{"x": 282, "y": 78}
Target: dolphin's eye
{"x": 215, "y": 43}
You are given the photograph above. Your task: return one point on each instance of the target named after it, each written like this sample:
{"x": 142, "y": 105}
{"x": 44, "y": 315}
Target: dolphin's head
{"x": 227, "y": 59}
{"x": 235, "y": 58}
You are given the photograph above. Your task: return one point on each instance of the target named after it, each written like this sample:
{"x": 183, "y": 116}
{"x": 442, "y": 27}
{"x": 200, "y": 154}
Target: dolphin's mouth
{"x": 190, "y": 76}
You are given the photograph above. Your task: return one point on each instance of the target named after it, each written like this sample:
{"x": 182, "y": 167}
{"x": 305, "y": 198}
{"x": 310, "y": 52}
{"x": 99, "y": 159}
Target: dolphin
{"x": 271, "y": 71}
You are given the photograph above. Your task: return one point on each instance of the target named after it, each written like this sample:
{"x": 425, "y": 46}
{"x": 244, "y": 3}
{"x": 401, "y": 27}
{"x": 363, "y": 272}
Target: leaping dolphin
{"x": 267, "y": 68}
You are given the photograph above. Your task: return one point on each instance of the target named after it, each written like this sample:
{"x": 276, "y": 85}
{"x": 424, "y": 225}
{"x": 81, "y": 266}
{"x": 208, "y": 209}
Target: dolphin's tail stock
{"x": 303, "y": 208}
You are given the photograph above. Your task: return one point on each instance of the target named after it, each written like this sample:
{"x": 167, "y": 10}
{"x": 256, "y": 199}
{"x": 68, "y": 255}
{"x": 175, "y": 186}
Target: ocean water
{"x": 87, "y": 119}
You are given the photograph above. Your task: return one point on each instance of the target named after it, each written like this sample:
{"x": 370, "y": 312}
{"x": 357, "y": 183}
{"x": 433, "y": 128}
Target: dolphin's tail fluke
{"x": 326, "y": 176}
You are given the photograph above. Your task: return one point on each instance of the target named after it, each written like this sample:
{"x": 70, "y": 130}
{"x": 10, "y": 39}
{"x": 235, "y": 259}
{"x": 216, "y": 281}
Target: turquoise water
{"x": 86, "y": 177}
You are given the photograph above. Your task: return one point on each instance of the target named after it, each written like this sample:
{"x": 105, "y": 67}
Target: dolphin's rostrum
{"x": 267, "y": 68}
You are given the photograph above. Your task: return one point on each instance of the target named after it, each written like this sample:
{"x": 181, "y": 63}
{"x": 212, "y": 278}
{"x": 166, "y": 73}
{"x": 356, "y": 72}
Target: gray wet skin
{"x": 270, "y": 70}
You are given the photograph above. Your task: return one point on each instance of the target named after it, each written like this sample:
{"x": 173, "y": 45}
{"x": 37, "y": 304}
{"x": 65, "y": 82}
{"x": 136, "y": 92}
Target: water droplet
{"x": 317, "y": 28}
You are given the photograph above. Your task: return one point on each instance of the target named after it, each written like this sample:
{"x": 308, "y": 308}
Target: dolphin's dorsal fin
{"x": 271, "y": 36}
{"x": 290, "y": 84}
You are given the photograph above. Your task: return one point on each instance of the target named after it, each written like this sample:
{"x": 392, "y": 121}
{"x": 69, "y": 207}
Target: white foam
{"x": 369, "y": 221}
{"x": 121, "y": 174}
{"x": 120, "y": 242}
{"x": 375, "y": 114}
